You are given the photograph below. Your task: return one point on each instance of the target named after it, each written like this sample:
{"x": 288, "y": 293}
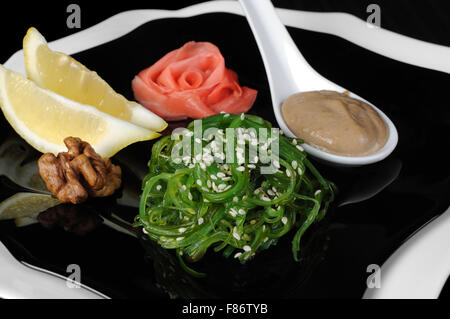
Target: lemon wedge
{"x": 26, "y": 221}
{"x": 23, "y": 205}
{"x": 44, "y": 119}
{"x": 64, "y": 75}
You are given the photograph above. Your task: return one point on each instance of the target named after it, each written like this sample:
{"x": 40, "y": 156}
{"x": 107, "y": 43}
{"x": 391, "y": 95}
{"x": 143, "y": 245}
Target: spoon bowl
{"x": 288, "y": 73}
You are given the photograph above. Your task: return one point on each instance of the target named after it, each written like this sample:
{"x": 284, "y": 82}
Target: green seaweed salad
{"x": 191, "y": 203}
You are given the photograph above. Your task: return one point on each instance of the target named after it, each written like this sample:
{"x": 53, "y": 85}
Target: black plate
{"x": 377, "y": 208}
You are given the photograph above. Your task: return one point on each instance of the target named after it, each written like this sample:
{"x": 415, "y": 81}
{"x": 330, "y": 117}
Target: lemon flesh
{"x": 26, "y": 205}
{"x": 44, "y": 119}
{"x": 64, "y": 75}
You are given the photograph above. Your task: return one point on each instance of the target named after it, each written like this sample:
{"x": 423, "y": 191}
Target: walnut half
{"x": 75, "y": 175}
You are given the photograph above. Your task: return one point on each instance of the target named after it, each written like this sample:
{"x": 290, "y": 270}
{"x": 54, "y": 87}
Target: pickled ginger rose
{"x": 192, "y": 81}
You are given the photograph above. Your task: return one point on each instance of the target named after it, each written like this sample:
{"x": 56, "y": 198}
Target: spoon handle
{"x": 284, "y": 63}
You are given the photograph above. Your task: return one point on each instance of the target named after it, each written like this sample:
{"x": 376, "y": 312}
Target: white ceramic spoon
{"x": 23, "y": 281}
{"x": 289, "y": 73}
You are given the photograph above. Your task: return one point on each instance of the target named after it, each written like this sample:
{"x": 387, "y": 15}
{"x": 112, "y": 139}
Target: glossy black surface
{"x": 377, "y": 208}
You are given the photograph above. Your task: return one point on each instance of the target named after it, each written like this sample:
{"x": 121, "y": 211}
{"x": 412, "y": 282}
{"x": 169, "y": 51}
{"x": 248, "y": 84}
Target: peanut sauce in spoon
{"x": 335, "y": 123}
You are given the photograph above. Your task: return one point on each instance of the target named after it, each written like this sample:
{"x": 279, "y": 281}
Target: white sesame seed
{"x": 181, "y": 230}
{"x": 221, "y": 175}
{"x": 270, "y": 192}
{"x": 284, "y": 220}
{"x": 226, "y": 115}
{"x": 247, "y": 248}
{"x": 237, "y": 255}
{"x": 199, "y": 182}
{"x": 191, "y": 166}
{"x": 265, "y": 198}
{"x": 158, "y": 187}
{"x": 236, "y": 235}
{"x": 317, "y": 192}
{"x": 203, "y": 166}
{"x": 213, "y": 177}
{"x": 144, "y": 231}
{"x": 294, "y": 164}
{"x": 242, "y": 116}
{"x": 276, "y": 164}
{"x": 200, "y": 221}
{"x": 288, "y": 173}
{"x": 180, "y": 238}
{"x": 205, "y": 189}
{"x": 251, "y": 166}
{"x": 232, "y": 212}
{"x": 299, "y": 147}
{"x": 300, "y": 172}
{"x": 225, "y": 179}
{"x": 241, "y": 212}
{"x": 294, "y": 141}
{"x": 184, "y": 187}
{"x": 222, "y": 186}
{"x": 205, "y": 200}
{"x": 256, "y": 191}
{"x": 240, "y": 168}
{"x": 235, "y": 199}
{"x": 190, "y": 196}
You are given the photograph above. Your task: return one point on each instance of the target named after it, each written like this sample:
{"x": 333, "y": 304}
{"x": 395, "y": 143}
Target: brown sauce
{"x": 335, "y": 123}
